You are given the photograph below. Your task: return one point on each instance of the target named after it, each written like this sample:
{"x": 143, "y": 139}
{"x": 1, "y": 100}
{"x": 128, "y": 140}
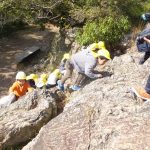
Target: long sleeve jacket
{"x": 85, "y": 62}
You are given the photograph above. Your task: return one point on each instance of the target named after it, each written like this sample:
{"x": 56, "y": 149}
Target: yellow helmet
{"x": 21, "y": 76}
{"x": 94, "y": 54}
{"x": 57, "y": 73}
{"x": 94, "y": 47}
{"x": 28, "y": 77}
{"x": 101, "y": 45}
{"x": 66, "y": 56}
{"x": 105, "y": 53}
{"x": 43, "y": 76}
{"x": 34, "y": 76}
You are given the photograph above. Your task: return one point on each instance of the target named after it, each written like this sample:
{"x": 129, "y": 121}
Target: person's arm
{"x": 89, "y": 71}
{"x": 12, "y": 88}
{"x": 28, "y": 87}
{"x": 62, "y": 65}
{"x": 147, "y": 40}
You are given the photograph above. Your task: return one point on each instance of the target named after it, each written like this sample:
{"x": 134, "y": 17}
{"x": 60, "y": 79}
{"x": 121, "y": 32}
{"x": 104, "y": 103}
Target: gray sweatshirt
{"x": 84, "y": 62}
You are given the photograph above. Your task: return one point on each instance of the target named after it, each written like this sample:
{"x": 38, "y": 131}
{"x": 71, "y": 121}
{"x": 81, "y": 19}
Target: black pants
{"x": 147, "y": 87}
{"x": 32, "y": 83}
{"x": 48, "y": 86}
{"x": 144, "y": 58}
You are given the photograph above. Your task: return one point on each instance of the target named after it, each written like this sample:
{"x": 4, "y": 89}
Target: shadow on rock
{"x": 87, "y": 80}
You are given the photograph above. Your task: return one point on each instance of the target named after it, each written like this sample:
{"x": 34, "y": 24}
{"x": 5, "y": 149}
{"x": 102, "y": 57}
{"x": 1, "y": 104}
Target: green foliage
{"x": 88, "y": 34}
{"x": 109, "y": 20}
{"x": 130, "y": 8}
{"x": 109, "y": 29}
{"x": 146, "y": 5}
{"x": 83, "y": 3}
{"x": 122, "y": 15}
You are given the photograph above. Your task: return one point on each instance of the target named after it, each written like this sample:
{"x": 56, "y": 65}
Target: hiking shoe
{"x": 60, "y": 86}
{"x": 140, "y": 92}
{"x": 75, "y": 87}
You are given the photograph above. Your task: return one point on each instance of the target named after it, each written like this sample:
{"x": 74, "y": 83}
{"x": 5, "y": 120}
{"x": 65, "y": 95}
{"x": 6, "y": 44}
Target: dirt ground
{"x": 12, "y": 46}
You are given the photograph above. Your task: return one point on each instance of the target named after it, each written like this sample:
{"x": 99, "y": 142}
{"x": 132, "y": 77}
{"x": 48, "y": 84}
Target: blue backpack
{"x": 142, "y": 45}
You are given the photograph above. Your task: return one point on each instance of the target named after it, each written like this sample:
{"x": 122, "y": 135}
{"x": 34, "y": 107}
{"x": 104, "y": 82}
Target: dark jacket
{"x": 141, "y": 44}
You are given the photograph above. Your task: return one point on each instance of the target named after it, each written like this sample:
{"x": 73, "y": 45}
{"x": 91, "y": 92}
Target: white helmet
{"x": 21, "y": 76}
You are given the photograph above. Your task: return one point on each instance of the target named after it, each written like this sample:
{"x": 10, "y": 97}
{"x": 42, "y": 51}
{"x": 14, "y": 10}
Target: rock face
{"x": 22, "y": 120}
{"x": 103, "y": 115}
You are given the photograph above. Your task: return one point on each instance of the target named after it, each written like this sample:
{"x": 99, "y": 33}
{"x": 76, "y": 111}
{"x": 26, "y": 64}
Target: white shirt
{"x": 52, "y": 79}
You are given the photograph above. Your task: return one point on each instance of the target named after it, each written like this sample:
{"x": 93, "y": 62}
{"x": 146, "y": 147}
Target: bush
{"x": 130, "y": 8}
{"x": 83, "y": 3}
{"x": 10, "y": 27}
{"x": 109, "y": 29}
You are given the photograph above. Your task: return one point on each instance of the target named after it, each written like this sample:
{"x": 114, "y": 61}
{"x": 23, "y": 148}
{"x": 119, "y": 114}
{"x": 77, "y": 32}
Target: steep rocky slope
{"x": 103, "y": 115}
{"x": 23, "y": 119}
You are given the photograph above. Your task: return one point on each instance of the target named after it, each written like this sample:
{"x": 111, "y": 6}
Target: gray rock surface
{"x": 22, "y": 120}
{"x": 103, "y": 115}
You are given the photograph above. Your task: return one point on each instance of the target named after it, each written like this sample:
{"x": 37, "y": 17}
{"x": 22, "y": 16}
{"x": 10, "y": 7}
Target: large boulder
{"x": 22, "y": 120}
{"x": 103, "y": 115}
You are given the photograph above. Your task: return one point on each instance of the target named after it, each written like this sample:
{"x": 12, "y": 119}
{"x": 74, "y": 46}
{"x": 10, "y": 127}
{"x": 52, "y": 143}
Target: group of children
{"x": 24, "y": 83}
{"x": 82, "y": 62}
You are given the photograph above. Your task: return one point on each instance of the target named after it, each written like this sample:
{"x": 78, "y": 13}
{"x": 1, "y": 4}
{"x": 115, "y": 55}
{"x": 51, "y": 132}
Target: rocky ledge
{"x": 23, "y": 119}
{"x": 103, "y": 115}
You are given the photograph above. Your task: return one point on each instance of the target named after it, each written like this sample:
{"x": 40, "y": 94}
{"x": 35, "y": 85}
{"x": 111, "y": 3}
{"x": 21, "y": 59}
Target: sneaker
{"x": 60, "y": 86}
{"x": 75, "y": 87}
{"x": 140, "y": 92}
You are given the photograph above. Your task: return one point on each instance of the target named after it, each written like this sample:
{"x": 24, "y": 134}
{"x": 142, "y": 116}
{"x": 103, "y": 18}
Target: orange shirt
{"x": 19, "y": 90}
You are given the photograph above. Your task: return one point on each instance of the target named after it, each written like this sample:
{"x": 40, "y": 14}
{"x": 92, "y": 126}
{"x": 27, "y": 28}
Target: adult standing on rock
{"x": 143, "y": 45}
{"x": 142, "y": 40}
{"x": 84, "y": 63}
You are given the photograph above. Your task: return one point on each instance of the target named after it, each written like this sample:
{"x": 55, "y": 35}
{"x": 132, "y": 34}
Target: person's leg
{"x": 143, "y": 93}
{"x": 77, "y": 82}
{"x": 84, "y": 80}
{"x": 140, "y": 92}
{"x": 48, "y": 86}
{"x": 144, "y": 58}
{"x": 6, "y": 101}
{"x": 69, "y": 70}
{"x": 79, "y": 79}
{"x": 13, "y": 98}
{"x": 147, "y": 87}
